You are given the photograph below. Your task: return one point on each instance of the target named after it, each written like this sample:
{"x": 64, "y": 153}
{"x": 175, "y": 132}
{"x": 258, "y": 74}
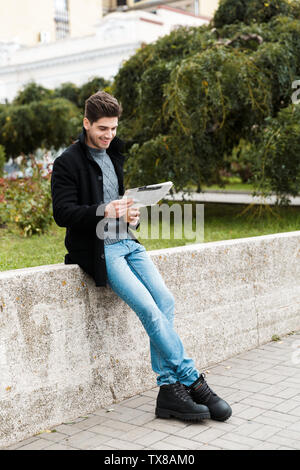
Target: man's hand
{"x": 132, "y": 216}
{"x": 118, "y": 208}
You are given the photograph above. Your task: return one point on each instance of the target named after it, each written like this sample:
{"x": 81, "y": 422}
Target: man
{"x": 87, "y": 189}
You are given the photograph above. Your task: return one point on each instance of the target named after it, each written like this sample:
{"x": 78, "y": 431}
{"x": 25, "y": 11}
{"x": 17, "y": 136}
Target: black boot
{"x": 202, "y": 394}
{"x": 174, "y": 401}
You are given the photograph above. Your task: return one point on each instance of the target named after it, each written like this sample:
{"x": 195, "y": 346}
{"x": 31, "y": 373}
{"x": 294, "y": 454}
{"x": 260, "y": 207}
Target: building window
{"x": 61, "y": 18}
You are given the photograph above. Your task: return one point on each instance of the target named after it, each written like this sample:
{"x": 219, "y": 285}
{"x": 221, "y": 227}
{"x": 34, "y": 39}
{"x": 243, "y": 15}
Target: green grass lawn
{"x": 221, "y": 222}
{"x": 232, "y": 183}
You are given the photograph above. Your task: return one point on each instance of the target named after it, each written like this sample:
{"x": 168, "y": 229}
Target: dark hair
{"x": 102, "y": 104}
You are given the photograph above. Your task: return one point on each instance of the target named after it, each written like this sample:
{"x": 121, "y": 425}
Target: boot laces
{"x": 204, "y": 390}
{"x": 181, "y": 392}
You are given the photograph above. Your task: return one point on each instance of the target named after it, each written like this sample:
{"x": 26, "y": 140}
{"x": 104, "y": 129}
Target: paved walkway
{"x": 262, "y": 385}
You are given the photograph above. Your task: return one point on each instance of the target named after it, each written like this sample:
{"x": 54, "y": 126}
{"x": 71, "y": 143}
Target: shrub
{"x": 28, "y": 201}
{"x": 48, "y": 123}
{"x": 69, "y": 91}
{"x": 32, "y": 92}
{"x": 248, "y": 11}
{"x": 2, "y": 160}
{"x": 4, "y": 214}
{"x": 275, "y": 156}
{"x": 89, "y": 88}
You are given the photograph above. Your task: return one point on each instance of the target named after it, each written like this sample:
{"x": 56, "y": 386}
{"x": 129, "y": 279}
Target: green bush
{"x": 240, "y": 161}
{"x": 69, "y": 91}
{"x": 276, "y": 155}
{"x": 28, "y": 201}
{"x": 47, "y": 124}
{"x": 2, "y": 160}
{"x": 32, "y": 92}
{"x": 248, "y": 11}
{"x": 89, "y": 88}
{"x": 4, "y": 214}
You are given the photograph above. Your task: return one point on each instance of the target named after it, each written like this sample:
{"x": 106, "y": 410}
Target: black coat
{"x": 77, "y": 191}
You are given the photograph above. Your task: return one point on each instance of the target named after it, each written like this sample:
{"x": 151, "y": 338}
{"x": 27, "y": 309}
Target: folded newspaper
{"x": 148, "y": 195}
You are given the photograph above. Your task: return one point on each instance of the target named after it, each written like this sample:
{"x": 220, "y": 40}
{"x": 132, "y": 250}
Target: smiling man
{"x": 87, "y": 188}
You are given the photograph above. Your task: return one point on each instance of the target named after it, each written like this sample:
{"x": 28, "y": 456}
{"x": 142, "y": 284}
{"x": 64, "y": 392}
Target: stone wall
{"x": 67, "y": 347}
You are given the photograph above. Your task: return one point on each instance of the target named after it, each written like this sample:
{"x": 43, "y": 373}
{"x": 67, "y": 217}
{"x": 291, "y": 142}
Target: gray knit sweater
{"x": 114, "y": 230}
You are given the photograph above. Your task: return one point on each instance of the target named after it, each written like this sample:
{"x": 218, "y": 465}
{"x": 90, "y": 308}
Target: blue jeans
{"x": 133, "y": 276}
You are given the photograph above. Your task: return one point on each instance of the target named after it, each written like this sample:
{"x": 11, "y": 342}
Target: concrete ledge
{"x": 228, "y": 197}
{"x": 68, "y": 347}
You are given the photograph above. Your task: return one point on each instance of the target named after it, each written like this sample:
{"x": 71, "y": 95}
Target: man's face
{"x": 101, "y": 132}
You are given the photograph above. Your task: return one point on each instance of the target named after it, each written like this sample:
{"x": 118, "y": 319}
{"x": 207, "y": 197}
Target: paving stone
{"x": 238, "y": 395}
{"x": 106, "y": 430}
{"x": 94, "y": 441}
{"x": 165, "y": 425}
{"x": 136, "y": 402}
{"x": 79, "y": 439}
{"x": 22, "y": 443}
{"x": 209, "y": 435}
{"x": 89, "y": 422}
{"x": 295, "y": 427}
{"x": 288, "y": 393}
{"x": 118, "y": 444}
{"x": 266, "y": 446}
{"x": 295, "y": 411}
{"x": 285, "y": 441}
{"x": 262, "y": 419}
{"x": 248, "y": 386}
{"x": 229, "y": 445}
{"x": 58, "y": 446}
{"x": 289, "y": 418}
{"x": 151, "y": 437}
{"x": 67, "y": 429}
{"x": 181, "y": 442}
{"x": 290, "y": 406}
{"x": 255, "y": 402}
{"x": 161, "y": 445}
{"x": 147, "y": 407}
{"x": 266, "y": 378}
{"x": 37, "y": 444}
{"x": 264, "y": 432}
{"x": 53, "y": 436}
{"x": 124, "y": 413}
{"x": 143, "y": 419}
{"x": 192, "y": 430}
{"x": 243, "y": 440}
{"x": 267, "y": 398}
{"x": 119, "y": 425}
{"x": 248, "y": 428}
{"x": 250, "y": 413}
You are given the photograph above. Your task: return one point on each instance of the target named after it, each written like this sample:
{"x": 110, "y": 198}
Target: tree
{"x": 48, "y": 123}
{"x": 69, "y": 91}
{"x": 91, "y": 87}
{"x": 249, "y": 11}
{"x": 32, "y": 92}
{"x": 190, "y": 98}
{"x": 275, "y": 155}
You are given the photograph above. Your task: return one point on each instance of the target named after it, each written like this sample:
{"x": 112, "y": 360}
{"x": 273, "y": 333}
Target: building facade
{"x": 204, "y": 8}
{"x": 75, "y": 44}
{"x": 30, "y": 22}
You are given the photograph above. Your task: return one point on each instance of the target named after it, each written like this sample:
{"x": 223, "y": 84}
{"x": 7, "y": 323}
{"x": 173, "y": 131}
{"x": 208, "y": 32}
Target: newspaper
{"x": 148, "y": 195}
